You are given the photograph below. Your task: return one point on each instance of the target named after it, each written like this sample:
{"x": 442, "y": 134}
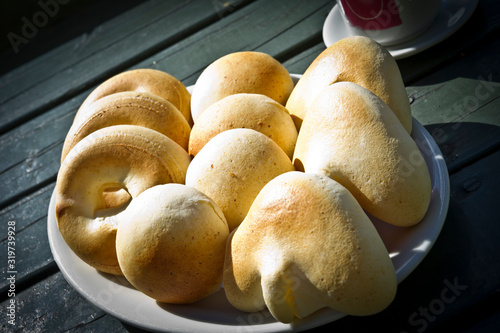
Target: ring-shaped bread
{"x": 353, "y": 137}
{"x": 150, "y": 80}
{"x": 129, "y": 108}
{"x": 100, "y": 175}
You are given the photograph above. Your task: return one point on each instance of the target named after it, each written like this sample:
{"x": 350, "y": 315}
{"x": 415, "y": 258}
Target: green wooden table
{"x": 48, "y": 70}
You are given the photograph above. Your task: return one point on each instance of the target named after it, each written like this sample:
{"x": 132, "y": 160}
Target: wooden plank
{"x": 252, "y": 28}
{"x": 479, "y": 30}
{"x": 65, "y": 21}
{"x": 111, "y": 47}
{"x": 300, "y": 62}
{"x": 462, "y": 108}
{"x": 488, "y": 321}
{"x": 34, "y": 151}
{"x": 34, "y": 148}
{"x": 32, "y": 250}
{"x": 52, "y": 305}
{"x": 307, "y": 34}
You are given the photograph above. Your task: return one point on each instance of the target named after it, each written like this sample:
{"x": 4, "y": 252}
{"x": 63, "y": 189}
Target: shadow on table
{"x": 462, "y": 143}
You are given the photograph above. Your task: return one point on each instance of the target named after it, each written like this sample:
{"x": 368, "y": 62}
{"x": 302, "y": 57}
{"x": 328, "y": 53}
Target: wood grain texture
{"x": 90, "y": 58}
{"x": 64, "y": 310}
{"x": 252, "y": 28}
{"x": 31, "y": 244}
{"x": 66, "y": 21}
{"x": 459, "y": 106}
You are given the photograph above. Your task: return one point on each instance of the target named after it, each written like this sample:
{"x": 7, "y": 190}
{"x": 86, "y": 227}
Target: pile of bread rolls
{"x": 250, "y": 182}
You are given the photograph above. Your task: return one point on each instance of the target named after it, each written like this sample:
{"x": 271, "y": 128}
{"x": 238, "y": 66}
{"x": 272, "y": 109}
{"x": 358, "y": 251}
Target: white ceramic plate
{"x": 115, "y": 296}
{"x": 452, "y": 15}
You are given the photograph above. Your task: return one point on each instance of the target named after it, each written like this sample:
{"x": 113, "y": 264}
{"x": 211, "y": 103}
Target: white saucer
{"x": 452, "y": 15}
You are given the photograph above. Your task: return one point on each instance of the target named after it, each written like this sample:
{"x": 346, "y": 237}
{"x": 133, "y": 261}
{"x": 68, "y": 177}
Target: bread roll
{"x": 154, "y": 81}
{"x": 350, "y": 135}
{"x": 254, "y": 111}
{"x": 233, "y": 167}
{"x": 353, "y": 59}
{"x": 171, "y": 242}
{"x": 99, "y": 177}
{"x": 307, "y": 244}
{"x": 241, "y": 72}
{"x": 132, "y": 108}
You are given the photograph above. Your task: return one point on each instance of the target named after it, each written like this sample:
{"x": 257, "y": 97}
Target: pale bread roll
{"x": 99, "y": 177}
{"x": 233, "y": 167}
{"x": 307, "y": 244}
{"x": 153, "y": 81}
{"x": 241, "y": 72}
{"x": 132, "y": 108}
{"x": 171, "y": 243}
{"x": 352, "y": 136}
{"x": 353, "y": 59}
{"x": 254, "y": 111}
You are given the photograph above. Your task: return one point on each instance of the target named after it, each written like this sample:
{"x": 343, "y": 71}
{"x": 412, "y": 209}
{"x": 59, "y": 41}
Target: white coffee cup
{"x": 389, "y": 22}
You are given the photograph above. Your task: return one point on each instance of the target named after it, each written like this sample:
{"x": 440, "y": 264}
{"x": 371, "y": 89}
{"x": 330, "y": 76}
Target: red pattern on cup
{"x": 372, "y": 14}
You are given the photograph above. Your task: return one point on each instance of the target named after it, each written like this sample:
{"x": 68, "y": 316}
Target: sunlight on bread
{"x": 250, "y": 184}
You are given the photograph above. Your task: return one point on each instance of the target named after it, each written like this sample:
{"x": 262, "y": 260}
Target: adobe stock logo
{"x": 40, "y": 19}
{"x": 426, "y": 314}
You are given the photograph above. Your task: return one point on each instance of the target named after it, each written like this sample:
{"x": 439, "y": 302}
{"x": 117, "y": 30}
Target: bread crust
{"x": 241, "y": 72}
{"x": 233, "y": 167}
{"x": 351, "y": 135}
{"x": 129, "y": 157}
{"x": 129, "y": 108}
{"x": 254, "y": 111}
{"x": 354, "y": 59}
{"x": 171, "y": 244}
{"x": 304, "y": 245}
{"x": 154, "y": 81}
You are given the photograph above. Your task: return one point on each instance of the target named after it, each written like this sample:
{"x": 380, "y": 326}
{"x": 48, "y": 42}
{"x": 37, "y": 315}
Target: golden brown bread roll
{"x": 171, "y": 242}
{"x": 154, "y": 81}
{"x": 132, "y": 108}
{"x": 254, "y": 111}
{"x": 353, "y": 137}
{"x": 307, "y": 244}
{"x": 233, "y": 167}
{"x": 353, "y": 59}
{"x": 241, "y": 72}
{"x": 100, "y": 175}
